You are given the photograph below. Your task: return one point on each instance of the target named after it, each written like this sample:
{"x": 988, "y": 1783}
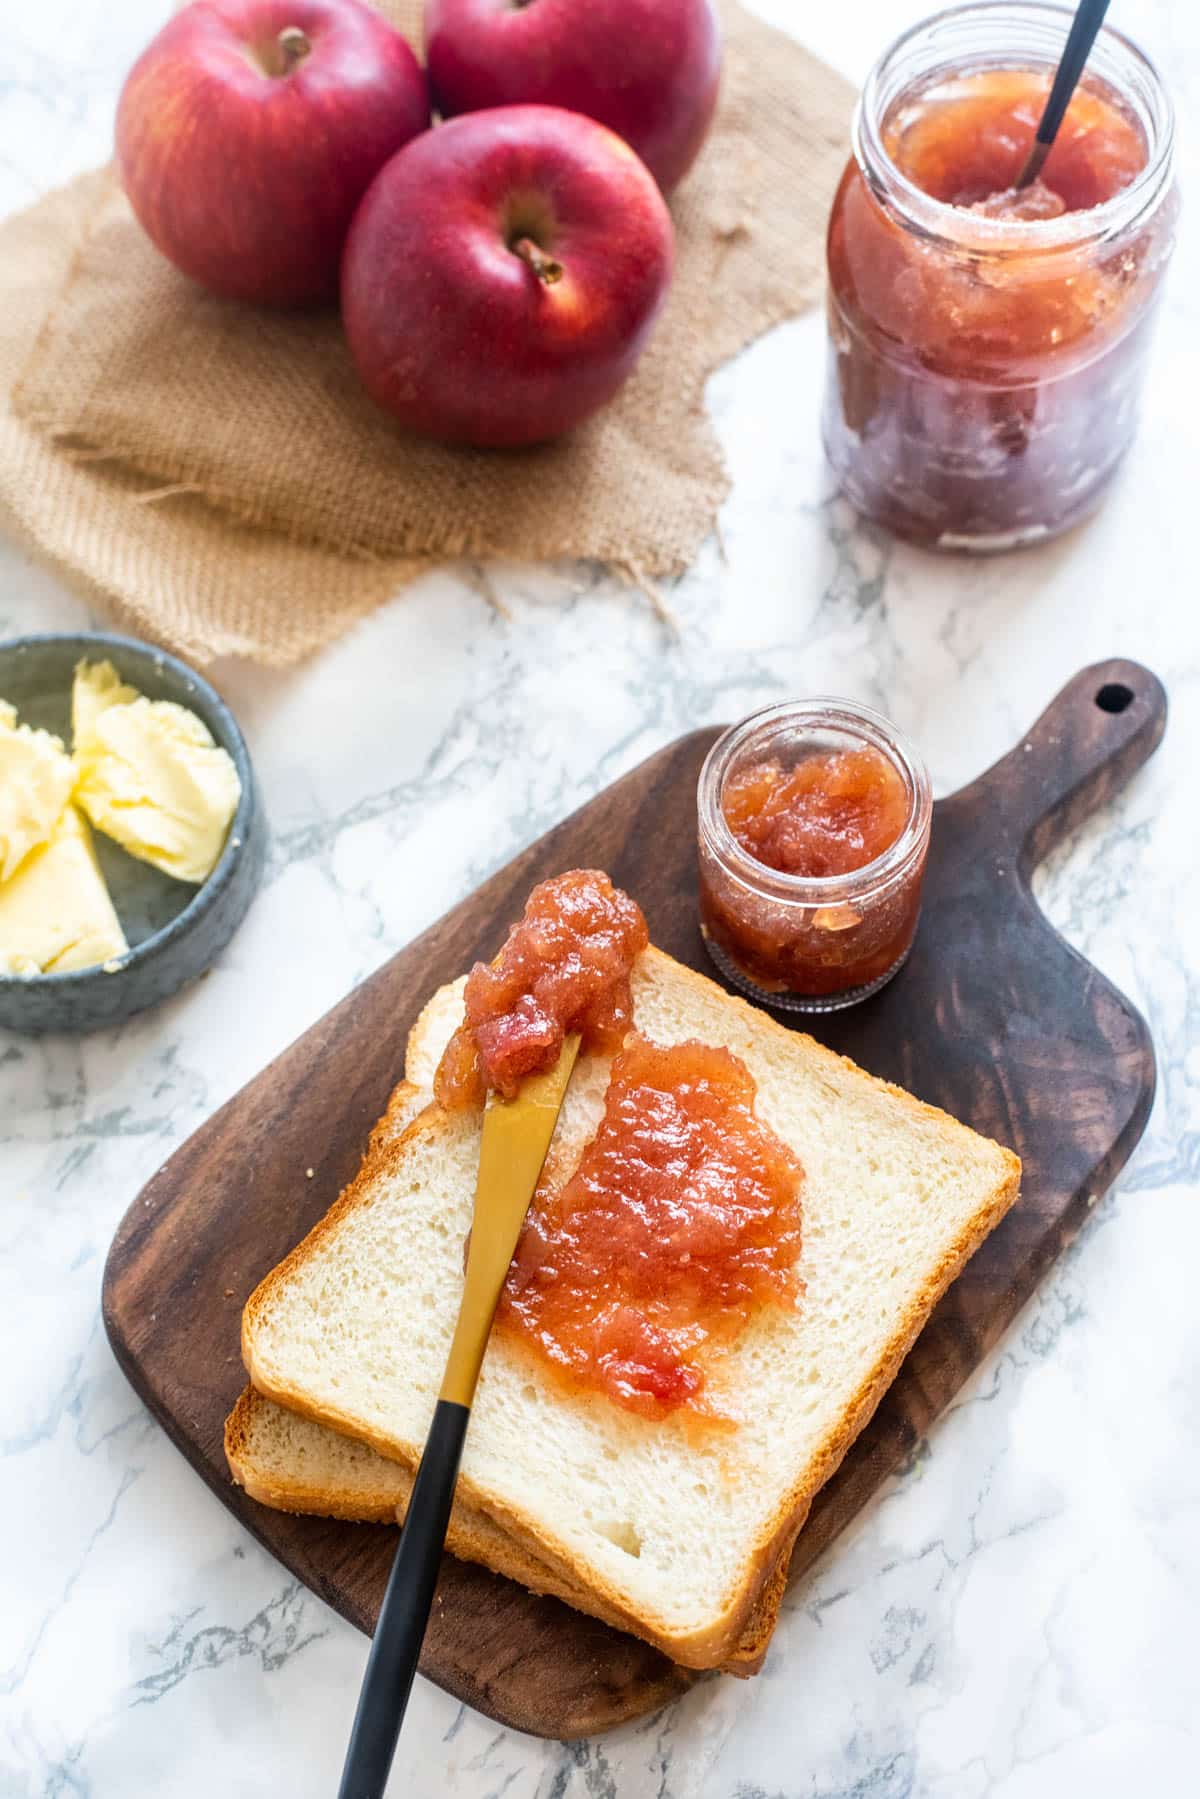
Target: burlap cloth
{"x": 217, "y": 472}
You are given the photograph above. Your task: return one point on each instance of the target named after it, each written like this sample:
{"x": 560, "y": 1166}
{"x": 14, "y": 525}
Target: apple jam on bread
{"x": 564, "y": 967}
{"x": 681, "y": 1219}
{"x": 683, "y": 1213}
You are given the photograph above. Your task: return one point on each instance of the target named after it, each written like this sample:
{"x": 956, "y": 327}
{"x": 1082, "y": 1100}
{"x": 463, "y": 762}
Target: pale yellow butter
{"x": 97, "y": 686}
{"x": 36, "y": 778}
{"x": 55, "y": 913}
{"x": 150, "y": 776}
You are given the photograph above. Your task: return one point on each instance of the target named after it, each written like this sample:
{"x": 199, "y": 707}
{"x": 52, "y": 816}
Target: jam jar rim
{"x": 953, "y": 227}
{"x": 821, "y": 711}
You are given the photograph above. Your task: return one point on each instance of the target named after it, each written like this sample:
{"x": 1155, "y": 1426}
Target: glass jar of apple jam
{"x": 814, "y": 822}
{"x": 988, "y": 346}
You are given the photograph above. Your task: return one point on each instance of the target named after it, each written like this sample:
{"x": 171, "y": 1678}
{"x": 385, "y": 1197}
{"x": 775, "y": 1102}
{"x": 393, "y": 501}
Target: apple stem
{"x": 544, "y": 267}
{"x": 294, "y": 46}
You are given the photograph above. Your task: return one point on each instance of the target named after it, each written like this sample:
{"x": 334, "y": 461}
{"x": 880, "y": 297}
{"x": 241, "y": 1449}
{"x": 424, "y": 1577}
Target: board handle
{"x": 1091, "y": 739}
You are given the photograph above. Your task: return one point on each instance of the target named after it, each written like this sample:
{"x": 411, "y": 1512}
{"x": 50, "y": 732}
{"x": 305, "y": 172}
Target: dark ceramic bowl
{"x": 174, "y": 930}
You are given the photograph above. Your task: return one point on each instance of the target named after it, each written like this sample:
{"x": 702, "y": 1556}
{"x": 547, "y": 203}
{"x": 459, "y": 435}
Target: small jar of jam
{"x": 814, "y": 824}
{"x": 988, "y": 345}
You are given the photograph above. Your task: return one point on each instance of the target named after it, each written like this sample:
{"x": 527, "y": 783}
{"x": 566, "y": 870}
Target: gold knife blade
{"x": 516, "y": 1136}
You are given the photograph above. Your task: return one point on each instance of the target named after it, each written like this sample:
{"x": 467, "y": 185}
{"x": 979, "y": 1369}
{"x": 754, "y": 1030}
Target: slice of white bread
{"x": 437, "y": 1023}
{"x": 672, "y": 1530}
{"x": 293, "y": 1464}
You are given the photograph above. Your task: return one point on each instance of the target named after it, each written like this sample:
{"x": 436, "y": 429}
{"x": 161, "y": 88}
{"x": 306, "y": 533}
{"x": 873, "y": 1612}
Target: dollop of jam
{"x": 832, "y": 813}
{"x": 681, "y": 1219}
{"x": 564, "y": 967}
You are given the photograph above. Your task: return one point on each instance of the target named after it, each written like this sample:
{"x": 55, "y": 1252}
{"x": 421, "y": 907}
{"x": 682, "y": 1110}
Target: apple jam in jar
{"x": 814, "y": 824}
{"x": 987, "y": 346}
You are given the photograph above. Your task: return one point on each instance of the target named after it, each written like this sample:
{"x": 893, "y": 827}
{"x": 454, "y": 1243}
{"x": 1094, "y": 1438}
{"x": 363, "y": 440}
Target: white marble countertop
{"x": 1014, "y": 1617}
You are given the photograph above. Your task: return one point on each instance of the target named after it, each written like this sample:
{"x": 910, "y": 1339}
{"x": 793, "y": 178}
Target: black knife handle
{"x": 405, "y": 1610}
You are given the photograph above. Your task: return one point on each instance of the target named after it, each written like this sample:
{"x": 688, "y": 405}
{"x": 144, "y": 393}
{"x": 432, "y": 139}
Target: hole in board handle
{"x": 1114, "y": 696}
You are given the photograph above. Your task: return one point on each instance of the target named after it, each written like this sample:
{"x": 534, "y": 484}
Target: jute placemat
{"x": 175, "y": 571}
{"x": 245, "y": 433}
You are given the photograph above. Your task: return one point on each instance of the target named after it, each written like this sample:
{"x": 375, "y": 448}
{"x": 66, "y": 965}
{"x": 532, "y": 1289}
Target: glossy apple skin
{"x": 648, "y": 69}
{"x": 247, "y": 180}
{"x": 451, "y": 330}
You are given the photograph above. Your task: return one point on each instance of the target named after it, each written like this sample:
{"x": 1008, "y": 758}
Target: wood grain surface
{"x": 994, "y": 1017}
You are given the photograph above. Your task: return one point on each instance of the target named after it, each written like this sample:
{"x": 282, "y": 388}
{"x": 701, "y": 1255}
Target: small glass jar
{"x": 809, "y": 944}
{"x": 984, "y": 373}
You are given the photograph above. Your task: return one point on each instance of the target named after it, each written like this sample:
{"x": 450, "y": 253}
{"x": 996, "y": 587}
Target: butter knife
{"x": 516, "y": 1136}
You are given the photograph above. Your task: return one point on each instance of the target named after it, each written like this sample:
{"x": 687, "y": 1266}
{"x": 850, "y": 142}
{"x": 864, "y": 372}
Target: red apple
{"x": 503, "y": 275}
{"x": 249, "y": 130}
{"x": 648, "y": 69}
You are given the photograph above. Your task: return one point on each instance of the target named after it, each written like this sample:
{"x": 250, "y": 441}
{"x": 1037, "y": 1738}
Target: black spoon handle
{"x": 1082, "y": 35}
{"x": 405, "y": 1611}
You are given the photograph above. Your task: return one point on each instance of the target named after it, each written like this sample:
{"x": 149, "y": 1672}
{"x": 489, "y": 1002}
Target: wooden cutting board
{"x": 994, "y": 1017}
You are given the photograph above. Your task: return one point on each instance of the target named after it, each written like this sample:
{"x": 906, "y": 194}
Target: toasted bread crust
{"x": 715, "y": 1643}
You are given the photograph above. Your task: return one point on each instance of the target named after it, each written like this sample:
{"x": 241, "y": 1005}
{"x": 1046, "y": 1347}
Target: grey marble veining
{"x": 1014, "y": 1617}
